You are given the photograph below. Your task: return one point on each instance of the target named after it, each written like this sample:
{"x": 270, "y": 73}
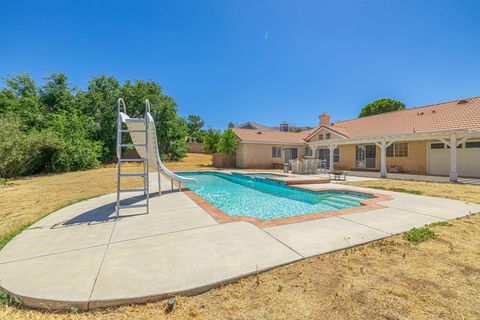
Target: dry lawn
{"x": 387, "y": 279}
{"x": 465, "y": 192}
{"x": 28, "y": 199}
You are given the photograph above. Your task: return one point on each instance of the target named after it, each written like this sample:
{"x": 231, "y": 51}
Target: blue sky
{"x": 263, "y": 61}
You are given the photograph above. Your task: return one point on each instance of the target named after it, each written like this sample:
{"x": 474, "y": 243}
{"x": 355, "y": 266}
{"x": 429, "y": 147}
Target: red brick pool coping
{"x": 222, "y": 217}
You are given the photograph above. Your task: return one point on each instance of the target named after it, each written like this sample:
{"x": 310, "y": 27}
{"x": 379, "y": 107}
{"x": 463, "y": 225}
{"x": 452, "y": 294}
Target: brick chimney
{"x": 324, "y": 119}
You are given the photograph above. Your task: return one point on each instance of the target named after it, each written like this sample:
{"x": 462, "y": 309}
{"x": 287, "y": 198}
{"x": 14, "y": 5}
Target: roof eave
{"x": 425, "y": 135}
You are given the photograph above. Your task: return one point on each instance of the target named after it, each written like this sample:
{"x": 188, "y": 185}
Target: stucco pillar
{"x": 331, "y": 148}
{"x": 383, "y": 159}
{"x": 453, "y": 158}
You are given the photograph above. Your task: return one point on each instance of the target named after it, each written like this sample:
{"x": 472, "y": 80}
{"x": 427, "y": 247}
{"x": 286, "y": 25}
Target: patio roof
{"x": 457, "y": 114}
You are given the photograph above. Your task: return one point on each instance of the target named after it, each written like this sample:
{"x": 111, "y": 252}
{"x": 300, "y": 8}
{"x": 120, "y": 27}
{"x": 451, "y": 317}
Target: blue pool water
{"x": 264, "y": 175}
{"x": 238, "y": 195}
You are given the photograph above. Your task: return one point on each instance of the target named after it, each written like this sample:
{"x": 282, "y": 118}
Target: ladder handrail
{"x": 120, "y": 102}
{"x": 121, "y": 105}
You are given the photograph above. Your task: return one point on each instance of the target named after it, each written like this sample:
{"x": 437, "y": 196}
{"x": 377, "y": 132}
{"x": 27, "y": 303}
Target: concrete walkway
{"x": 81, "y": 256}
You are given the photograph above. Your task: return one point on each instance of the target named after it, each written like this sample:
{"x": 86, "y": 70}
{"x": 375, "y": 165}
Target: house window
{"x": 401, "y": 149}
{"x": 475, "y": 144}
{"x": 336, "y": 155}
{"x": 276, "y": 152}
{"x": 437, "y": 146}
{"x": 327, "y": 136}
{"x": 390, "y": 151}
{"x": 308, "y": 152}
{"x": 320, "y": 137}
{"x": 398, "y": 150}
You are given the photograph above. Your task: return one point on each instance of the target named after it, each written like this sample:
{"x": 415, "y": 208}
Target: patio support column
{"x": 383, "y": 159}
{"x": 383, "y": 145}
{"x": 331, "y": 148}
{"x": 453, "y": 158}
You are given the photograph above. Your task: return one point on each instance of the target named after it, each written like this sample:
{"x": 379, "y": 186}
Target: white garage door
{"x": 468, "y": 159}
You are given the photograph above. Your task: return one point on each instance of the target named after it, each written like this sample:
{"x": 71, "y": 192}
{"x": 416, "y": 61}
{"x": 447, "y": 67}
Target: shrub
{"x": 417, "y": 235}
{"x": 212, "y": 139}
{"x": 31, "y": 152}
{"x": 228, "y": 142}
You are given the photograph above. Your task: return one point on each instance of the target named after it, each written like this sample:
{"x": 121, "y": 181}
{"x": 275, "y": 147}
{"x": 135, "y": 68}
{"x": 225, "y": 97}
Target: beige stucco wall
{"x": 259, "y": 156}
{"x": 347, "y": 157}
{"x": 416, "y": 162}
{"x": 316, "y": 136}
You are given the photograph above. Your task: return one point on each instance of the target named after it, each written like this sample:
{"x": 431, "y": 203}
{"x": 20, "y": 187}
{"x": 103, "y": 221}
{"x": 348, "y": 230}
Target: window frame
{"x": 336, "y": 155}
{"x": 472, "y": 144}
{"x": 309, "y": 153}
{"x": 276, "y": 151}
{"x": 397, "y": 150}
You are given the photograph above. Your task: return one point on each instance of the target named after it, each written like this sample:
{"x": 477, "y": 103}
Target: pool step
{"x": 334, "y": 204}
{"x": 342, "y": 201}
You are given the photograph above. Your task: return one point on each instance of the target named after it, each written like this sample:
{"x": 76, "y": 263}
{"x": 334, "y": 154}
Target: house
{"x": 438, "y": 139}
{"x": 252, "y": 126}
{"x": 284, "y": 126}
{"x": 266, "y": 149}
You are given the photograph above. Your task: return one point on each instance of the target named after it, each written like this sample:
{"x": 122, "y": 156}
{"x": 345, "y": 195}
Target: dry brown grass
{"x": 387, "y": 279}
{"x": 27, "y": 199}
{"x": 465, "y": 192}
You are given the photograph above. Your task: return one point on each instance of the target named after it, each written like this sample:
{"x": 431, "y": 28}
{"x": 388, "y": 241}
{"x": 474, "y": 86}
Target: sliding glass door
{"x": 365, "y": 156}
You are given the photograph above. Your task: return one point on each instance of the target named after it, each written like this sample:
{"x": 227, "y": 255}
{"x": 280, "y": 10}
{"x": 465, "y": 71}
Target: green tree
{"x": 55, "y": 127}
{"x": 99, "y": 101}
{"x": 212, "y": 140}
{"x": 381, "y": 106}
{"x": 194, "y": 125}
{"x": 228, "y": 142}
{"x": 21, "y": 98}
{"x": 56, "y": 94}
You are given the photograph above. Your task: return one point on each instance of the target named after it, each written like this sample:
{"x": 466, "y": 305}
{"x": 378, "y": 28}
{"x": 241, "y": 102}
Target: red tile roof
{"x": 269, "y": 136}
{"x": 458, "y": 114}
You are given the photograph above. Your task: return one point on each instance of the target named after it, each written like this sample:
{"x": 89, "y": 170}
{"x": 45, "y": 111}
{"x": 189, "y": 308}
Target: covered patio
{"x": 366, "y": 150}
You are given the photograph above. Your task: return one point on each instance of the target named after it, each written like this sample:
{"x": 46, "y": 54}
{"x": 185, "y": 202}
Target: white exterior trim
{"x": 275, "y": 143}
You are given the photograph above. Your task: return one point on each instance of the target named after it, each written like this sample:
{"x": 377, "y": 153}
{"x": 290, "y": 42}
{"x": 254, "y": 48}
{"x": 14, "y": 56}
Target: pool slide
{"x": 136, "y": 127}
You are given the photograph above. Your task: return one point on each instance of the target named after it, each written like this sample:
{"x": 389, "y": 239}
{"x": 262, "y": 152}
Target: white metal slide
{"x": 138, "y": 139}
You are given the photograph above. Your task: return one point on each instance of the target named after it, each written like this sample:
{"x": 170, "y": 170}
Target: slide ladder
{"x": 143, "y": 134}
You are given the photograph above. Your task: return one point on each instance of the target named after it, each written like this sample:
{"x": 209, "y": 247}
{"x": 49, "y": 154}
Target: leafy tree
{"x": 99, "y": 101}
{"x": 381, "y": 106}
{"x": 56, "y": 95}
{"x": 21, "y": 98}
{"x": 212, "y": 139}
{"x": 194, "y": 125}
{"x": 228, "y": 142}
{"x": 55, "y": 127}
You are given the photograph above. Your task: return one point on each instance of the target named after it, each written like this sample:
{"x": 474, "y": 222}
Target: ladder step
{"x": 132, "y": 206}
{"x": 132, "y": 145}
{"x": 126, "y": 130}
{"x": 132, "y": 160}
{"x": 135, "y": 120}
{"x": 133, "y": 190}
{"x": 133, "y": 174}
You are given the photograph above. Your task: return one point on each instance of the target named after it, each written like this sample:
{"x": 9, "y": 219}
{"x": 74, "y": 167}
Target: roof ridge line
{"x": 407, "y": 109}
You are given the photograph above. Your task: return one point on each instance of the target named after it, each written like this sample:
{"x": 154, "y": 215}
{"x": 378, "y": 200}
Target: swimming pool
{"x": 242, "y": 196}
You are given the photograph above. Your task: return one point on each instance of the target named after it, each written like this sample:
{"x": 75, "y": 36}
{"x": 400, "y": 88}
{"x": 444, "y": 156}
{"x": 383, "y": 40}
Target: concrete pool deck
{"x": 81, "y": 256}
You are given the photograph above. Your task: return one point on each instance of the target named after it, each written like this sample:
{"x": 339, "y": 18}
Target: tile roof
{"x": 272, "y": 136}
{"x": 257, "y": 126}
{"x": 457, "y": 114}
